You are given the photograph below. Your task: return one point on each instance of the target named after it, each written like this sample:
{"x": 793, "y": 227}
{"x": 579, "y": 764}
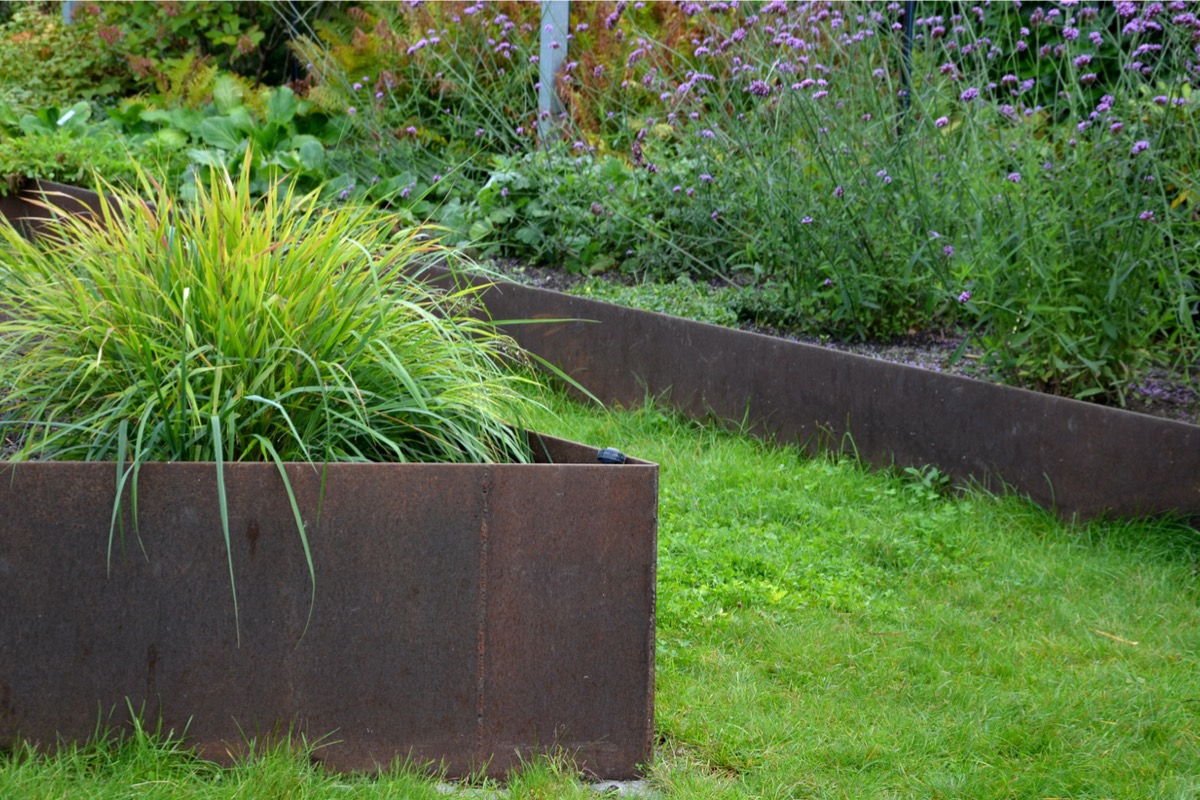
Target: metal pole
{"x": 556, "y": 22}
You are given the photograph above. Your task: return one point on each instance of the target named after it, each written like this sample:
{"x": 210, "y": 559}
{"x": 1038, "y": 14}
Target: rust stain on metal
{"x": 151, "y": 665}
{"x": 252, "y": 534}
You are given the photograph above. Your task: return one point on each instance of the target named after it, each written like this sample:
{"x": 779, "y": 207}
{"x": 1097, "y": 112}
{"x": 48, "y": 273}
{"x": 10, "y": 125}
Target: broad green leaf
{"x": 220, "y": 132}
{"x": 227, "y": 94}
{"x": 529, "y": 235}
{"x": 312, "y": 153}
{"x": 8, "y": 116}
{"x": 242, "y": 119}
{"x": 206, "y": 158}
{"x": 282, "y": 105}
{"x": 171, "y": 138}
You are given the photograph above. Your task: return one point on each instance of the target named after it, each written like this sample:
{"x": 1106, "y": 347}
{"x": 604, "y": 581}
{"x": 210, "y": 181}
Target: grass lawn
{"x": 830, "y": 632}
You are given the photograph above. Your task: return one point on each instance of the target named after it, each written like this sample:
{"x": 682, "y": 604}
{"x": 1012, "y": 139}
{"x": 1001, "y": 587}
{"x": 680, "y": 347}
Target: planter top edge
{"x": 549, "y": 452}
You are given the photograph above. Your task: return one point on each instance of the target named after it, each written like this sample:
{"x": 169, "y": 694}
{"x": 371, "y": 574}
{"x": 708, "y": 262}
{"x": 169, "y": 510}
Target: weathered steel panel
{"x": 1076, "y": 458}
{"x": 408, "y": 622}
{"x": 27, "y": 208}
{"x": 565, "y": 666}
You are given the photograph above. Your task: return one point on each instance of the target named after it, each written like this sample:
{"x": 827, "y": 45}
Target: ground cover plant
{"x": 827, "y": 631}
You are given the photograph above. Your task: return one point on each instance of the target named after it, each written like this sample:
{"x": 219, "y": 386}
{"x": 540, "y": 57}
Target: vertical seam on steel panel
{"x": 481, "y": 618}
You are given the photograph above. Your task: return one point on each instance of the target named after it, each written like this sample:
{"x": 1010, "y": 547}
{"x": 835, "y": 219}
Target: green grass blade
{"x": 223, "y": 504}
{"x": 287, "y": 487}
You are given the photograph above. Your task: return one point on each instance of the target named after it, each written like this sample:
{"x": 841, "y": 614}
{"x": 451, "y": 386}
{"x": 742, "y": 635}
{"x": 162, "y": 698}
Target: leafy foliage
{"x": 158, "y": 37}
{"x": 44, "y": 61}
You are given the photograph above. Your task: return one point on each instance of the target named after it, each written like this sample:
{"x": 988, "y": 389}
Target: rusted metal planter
{"x": 1076, "y": 458}
{"x": 467, "y": 615}
{"x": 26, "y": 208}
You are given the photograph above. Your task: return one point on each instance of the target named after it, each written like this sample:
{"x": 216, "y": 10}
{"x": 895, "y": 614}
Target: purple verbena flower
{"x": 1139, "y": 146}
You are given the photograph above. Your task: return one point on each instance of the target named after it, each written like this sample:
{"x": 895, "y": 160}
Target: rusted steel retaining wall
{"x": 1076, "y": 458}
{"x": 464, "y": 614}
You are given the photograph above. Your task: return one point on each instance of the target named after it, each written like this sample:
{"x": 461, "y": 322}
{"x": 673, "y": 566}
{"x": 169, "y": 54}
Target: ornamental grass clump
{"x": 241, "y": 329}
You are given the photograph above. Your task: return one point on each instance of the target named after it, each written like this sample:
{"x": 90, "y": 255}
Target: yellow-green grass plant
{"x": 236, "y": 328}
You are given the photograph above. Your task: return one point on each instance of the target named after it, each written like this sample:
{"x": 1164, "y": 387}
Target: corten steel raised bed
{"x": 465, "y": 614}
{"x": 1077, "y": 458}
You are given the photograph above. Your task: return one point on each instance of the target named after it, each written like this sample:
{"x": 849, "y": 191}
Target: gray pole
{"x": 556, "y": 16}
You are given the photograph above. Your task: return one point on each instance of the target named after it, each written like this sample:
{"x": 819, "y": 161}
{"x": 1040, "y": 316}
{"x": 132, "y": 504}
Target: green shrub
{"x": 44, "y": 61}
{"x": 160, "y": 37}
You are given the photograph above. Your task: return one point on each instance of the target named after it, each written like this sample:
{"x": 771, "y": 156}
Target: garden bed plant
{"x": 1017, "y": 174}
{"x": 241, "y": 329}
{"x": 267, "y": 394}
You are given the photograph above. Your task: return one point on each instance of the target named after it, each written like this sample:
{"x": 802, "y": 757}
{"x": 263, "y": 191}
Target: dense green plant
{"x": 235, "y": 329}
{"x": 871, "y": 198}
{"x": 160, "y": 36}
{"x": 44, "y": 61}
{"x": 56, "y": 145}
{"x": 285, "y": 140}
{"x": 293, "y": 329}
{"x": 682, "y": 297}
